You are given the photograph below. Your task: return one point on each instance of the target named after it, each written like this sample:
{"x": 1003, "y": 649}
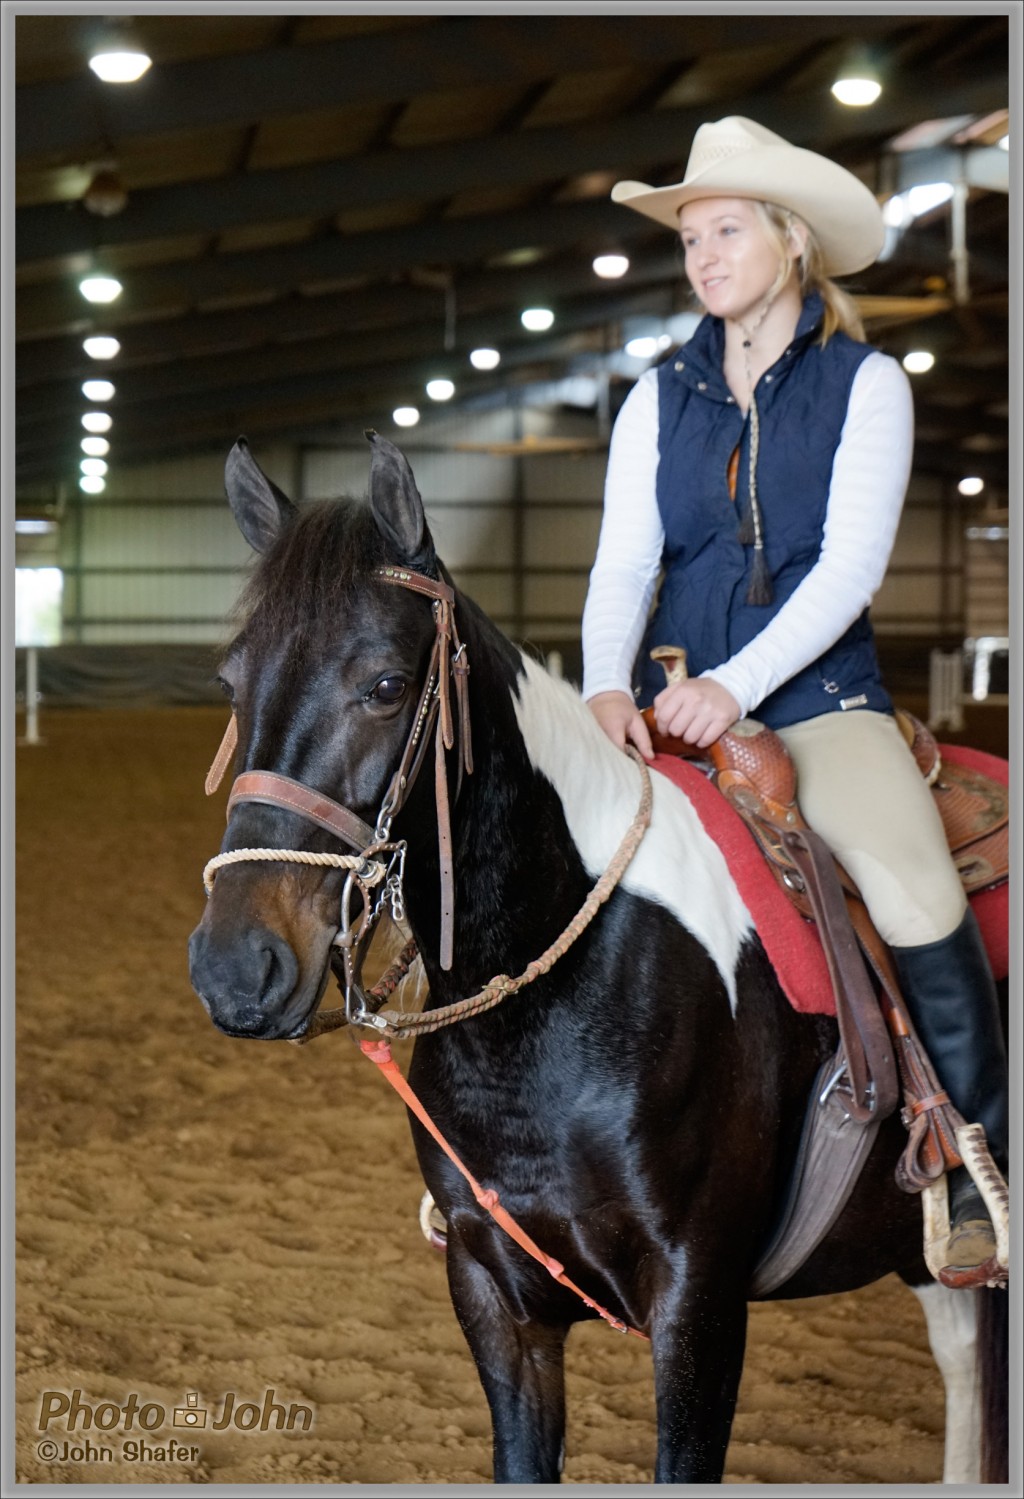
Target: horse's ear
{"x": 259, "y": 507}
{"x": 397, "y": 506}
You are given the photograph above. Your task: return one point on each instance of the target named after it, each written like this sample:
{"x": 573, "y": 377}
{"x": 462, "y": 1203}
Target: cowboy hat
{"x": 736, "y": 158}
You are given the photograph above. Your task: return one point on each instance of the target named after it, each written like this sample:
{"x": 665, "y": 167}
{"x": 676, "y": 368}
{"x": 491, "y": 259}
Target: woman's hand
{"x": 621, "y": 720}
{"x": 697, "y": 711}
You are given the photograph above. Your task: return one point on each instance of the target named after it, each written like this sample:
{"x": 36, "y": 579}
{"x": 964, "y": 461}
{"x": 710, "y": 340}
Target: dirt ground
{"x": 202, "y": 1214}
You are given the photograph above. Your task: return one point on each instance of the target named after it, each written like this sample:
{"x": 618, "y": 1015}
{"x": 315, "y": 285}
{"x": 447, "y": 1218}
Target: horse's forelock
{"x": 311, "y": 575}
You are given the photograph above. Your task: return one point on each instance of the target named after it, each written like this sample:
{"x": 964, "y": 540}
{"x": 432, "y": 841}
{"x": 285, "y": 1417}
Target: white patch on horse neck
{"x": 677, "y": 864}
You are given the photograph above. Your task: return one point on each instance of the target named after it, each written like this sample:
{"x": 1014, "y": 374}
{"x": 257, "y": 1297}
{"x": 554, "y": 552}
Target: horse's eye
{"x": 227, "y": 689}
{"x": 389, "y": 690}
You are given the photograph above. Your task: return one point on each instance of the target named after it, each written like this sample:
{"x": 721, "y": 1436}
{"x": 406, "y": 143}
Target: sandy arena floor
{"x": 202, "y": 1214}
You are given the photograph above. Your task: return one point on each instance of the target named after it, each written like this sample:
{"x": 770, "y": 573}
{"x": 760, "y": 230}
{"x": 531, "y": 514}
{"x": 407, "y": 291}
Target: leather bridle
{"x": 380, "y": 859}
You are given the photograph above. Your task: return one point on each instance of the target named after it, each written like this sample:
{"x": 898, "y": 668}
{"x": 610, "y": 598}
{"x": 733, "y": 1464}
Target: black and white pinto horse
{"x": 639, "y": 1107}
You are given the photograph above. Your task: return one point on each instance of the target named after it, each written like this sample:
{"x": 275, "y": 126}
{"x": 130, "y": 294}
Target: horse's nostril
{"x": 280, "y": 970}
{"x": 256, "y": 969}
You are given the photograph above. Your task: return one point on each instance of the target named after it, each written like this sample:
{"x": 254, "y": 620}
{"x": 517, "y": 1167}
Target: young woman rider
{"x": 760, "y": 473}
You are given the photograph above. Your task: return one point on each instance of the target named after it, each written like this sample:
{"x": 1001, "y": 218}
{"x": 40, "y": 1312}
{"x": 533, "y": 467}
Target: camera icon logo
{"x": 192, "y": 1413}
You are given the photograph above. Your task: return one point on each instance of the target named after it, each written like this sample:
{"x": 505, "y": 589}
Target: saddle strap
{"x": 870, "y": 1065}
{"x": 829, "y": 1161}
{"x": 773, "y": 818}
{"x": 928, "y": 1114}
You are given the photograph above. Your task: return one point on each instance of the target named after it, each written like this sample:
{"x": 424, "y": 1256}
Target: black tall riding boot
{"x": 951, "y": 996}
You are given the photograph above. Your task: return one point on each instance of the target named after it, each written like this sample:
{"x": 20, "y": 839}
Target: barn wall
{"x": 158, "y": 561}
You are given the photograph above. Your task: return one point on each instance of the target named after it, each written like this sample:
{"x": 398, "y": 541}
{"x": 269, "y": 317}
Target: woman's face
{"x": 730, "y": 261}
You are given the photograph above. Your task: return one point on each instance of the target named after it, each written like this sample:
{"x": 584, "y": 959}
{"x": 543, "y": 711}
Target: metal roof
{"x": 324, "y": 211}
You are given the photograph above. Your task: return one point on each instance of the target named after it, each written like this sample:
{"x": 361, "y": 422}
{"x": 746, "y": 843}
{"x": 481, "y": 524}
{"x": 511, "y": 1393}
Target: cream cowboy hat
{"x": 736, "y": 158}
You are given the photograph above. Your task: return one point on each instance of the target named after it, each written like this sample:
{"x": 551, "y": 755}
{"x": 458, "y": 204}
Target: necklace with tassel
{"x": 751, "y": 530}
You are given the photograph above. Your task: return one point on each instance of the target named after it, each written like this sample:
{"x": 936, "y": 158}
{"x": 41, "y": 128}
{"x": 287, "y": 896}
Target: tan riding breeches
{"x": 859, "y": 787}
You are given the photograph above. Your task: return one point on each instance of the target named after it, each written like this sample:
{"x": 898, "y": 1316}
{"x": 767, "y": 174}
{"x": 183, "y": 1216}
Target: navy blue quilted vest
{"x": 802, "y": 402}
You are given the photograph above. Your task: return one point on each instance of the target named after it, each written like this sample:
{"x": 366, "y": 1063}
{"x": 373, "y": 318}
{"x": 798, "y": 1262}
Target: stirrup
{"x": 995, "y": 1271}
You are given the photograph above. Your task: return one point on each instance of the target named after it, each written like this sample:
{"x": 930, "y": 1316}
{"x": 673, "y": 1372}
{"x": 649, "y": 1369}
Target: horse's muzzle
{"x": 248, "y": 988}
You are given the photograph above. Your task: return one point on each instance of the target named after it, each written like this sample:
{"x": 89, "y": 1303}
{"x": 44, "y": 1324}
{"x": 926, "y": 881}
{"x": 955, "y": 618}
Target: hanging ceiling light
{"x": 485, "y": 359}
{"x": 611, "y": 267}
{"x": 440, "y": 390}
{"x": 98, "y": 390}
{"x": 101, "y": 346}
{"x": 405, "y": 416}
{"x": 97, "y": 421}
{"x": 95, "y": 447}
{"x": 537, "y": 319}
{"x": 106, "y": 194}
{"x": 99, "y": 288}
{"x": 971, "y": 486}
{"x": 92, "y": 483}
{"x": 918, "y": 361}
{"x": 858, "y": 83}
{"x": 119, "y": 56}
{"x": 94, "y": 466}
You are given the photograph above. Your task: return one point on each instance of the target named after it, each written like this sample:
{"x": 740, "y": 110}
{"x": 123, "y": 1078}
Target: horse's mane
{"x": 311, "y": 572}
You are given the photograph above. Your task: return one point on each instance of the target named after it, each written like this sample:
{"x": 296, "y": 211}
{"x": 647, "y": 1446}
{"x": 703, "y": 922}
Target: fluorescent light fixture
{"x": 97, "y": 421}
{"x": 485, "y": 359}
{"x": 971, "y": 486}
{"x": 440, "y": 390}
{"x": 98, "y": 390}
{"x": 93, "y": 466}
{"x": 34, "y": 527}
{"x": 96, "y": 447}
{"x": 405, "y": 416}
{"x": 918, "y": 361}
{"x": 537, "y": 319}
{"x": 101, "y": 346}
{"x": 611, "y": 267}
{"x": 100, "y": 288}
{"x": 92, "y": 484}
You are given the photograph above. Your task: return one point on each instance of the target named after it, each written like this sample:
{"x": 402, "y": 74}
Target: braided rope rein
{"x": 401, "y": 1025}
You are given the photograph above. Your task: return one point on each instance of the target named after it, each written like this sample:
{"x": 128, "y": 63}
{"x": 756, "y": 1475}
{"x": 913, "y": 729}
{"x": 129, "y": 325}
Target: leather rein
{"x": 378, "y": 860}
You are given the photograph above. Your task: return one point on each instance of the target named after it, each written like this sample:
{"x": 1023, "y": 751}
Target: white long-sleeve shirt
{"x": 869, "y": 480}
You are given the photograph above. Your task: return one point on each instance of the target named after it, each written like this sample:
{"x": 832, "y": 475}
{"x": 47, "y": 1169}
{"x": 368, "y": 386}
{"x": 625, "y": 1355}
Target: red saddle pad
{"x": 790, "y": 941}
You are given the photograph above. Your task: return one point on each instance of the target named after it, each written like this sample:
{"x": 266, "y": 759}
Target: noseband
{"x": 379, "y": 860}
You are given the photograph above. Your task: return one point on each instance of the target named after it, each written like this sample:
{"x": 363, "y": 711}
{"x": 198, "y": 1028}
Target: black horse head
{"x": 323, "y": 678}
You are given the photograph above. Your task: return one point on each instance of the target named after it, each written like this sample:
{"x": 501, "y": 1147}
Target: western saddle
{"x": 879, "y": 1053}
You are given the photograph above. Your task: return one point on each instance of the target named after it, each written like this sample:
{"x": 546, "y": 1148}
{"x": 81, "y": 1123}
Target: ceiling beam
{"x": 75, "y": 118}
{"x": 178, "y": 353}
{"x": 341, "y": 424}
{"x": 291, "y": 320}
{"x": 398, "y": 363}
{"x": 516, "y": 158}
{"x": 156, "y": 290}
{"x": 947, "y": 399}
